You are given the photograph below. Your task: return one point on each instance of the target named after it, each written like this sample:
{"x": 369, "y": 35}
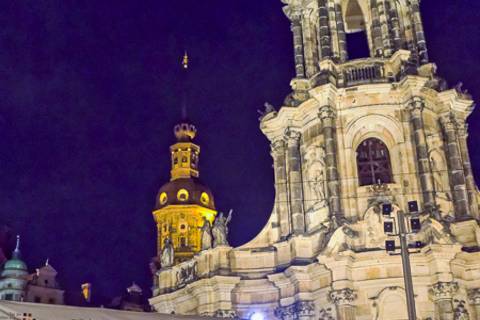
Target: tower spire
{"x": 16, "y": 253}
{"x": 185, "y": 65}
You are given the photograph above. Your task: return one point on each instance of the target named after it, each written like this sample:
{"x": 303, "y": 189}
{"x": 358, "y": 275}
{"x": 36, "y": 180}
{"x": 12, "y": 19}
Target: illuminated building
{"x": 184, "y": 201}
{"x": 354, "y": 137}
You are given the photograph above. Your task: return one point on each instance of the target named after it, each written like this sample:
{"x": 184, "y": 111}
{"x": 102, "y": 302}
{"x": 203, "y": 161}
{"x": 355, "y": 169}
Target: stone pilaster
{"x": 462, "y": 133}
{"x": 295, "y": 183}
{"x": 419, "y": 33}
{"x": 376, "y": 30}
{"x": 343, "y": 300}
{"x": 420, "y": 142}
{"x": 442, "y": 295}
{"x": 295, "y": 17}
{"x": 327, "y": 116}
{"x": 342, "y": 39}
{"x": 383, "y": 18}
{"x": 278, "y": 152}
{"x": 474, "y": 300}
{"x": 324, "y": 38}
{"x": 310, "y": 48}
{"x": 395, "y": 22}
{"x": 457, "y": 176}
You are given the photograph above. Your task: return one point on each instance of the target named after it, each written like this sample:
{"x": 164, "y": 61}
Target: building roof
{"x": 197, "y": 194}
{"x": 40, "y": 311}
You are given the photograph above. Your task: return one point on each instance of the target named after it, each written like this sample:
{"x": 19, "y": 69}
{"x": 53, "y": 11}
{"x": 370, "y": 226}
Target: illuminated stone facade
{"x": 352, "y": 136}
{"x": 182, "y": 203}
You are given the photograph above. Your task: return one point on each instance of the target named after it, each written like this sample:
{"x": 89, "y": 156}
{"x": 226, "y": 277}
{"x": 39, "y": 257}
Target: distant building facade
{"x": 16, "y": 284}
{"x": 353, "y": 138}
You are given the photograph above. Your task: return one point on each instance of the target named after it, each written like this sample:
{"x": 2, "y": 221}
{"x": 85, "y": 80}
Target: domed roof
{"x": 185, "y": 191}
{"x": 15, "y": 265}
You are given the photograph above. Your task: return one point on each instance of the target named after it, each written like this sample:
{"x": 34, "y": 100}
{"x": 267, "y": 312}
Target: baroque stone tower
{"x": 184, "y": 201}
{"x": 353, "y": 137}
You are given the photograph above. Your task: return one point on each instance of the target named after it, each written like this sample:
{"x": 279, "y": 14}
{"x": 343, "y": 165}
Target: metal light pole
{"x": 407, "y": 271}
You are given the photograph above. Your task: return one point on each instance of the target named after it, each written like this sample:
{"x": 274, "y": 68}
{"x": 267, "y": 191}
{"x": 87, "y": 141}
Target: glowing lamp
{"x": 256, "y": 316}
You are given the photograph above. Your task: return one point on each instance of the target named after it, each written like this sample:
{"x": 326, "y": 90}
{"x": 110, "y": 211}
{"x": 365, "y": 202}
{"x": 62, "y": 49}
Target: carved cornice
{"x": 443, "y": 290}
{"x": 474, "y": 296}
{"x": 343, "y": 296}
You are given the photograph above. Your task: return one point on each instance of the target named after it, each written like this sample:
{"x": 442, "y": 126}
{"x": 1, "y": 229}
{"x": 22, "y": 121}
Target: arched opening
{"x": 356, "y": 36}
{"x": 373, "y": 163}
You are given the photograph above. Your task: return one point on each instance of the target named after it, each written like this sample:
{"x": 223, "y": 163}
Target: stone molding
{"x": 342, "y": 297}
{"x": 416, "y": 106}
{"x": 444, "y": 290}
{"x": 293, "y": 136}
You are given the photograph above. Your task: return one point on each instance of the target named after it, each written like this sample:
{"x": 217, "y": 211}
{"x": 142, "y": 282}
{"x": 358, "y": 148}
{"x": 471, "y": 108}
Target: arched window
{"x": 373, "y": 163}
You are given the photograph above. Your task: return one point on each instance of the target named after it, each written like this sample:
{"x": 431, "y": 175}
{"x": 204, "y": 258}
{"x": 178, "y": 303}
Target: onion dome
{"x": 185, "y": 191}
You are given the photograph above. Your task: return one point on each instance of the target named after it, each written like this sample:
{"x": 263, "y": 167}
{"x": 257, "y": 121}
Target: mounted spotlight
{"x": 415, "y": 224}
{"x": 412, "y": 206}
{"x": 386, "y": 209}
{"x": 390, "y": 245}
{"x": 257, "y": 316}
{"x": 388, "y": 227}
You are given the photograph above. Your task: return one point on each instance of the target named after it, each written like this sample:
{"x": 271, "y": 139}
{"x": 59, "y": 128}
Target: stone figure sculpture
{"x": 220, "y": 229}
{"x": 319, "y": 185}
{"x": 206, "y": 230}
{"x": 168, "y": 254}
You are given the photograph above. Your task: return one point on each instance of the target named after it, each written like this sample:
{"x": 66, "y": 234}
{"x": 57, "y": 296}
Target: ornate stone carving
{"x": 343, "y": 296}
{"x": 168, "y": 254}
{"x": 474, "y": 296}
{"x": 326, "y": 314}
{"x": 460, "y": 312}
{"x": 187, "y": 274}
{"x": 225, "y": 314}
{"x": 326, "y": 112}
{"x": 443, "y": 290}
{"x": 292, "y": 136}
{"x": 220, "y": 229}
{"x": 285, "y": 312}
{"x": 206, "y": 230}
{"x": 304, "y": 308}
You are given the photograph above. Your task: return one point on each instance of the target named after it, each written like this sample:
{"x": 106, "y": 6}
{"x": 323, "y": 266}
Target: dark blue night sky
{"x": 90, "y": 91}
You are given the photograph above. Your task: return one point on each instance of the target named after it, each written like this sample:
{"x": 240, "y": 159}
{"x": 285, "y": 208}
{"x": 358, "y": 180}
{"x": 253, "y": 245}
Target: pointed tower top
{"x": 16, "y": 253}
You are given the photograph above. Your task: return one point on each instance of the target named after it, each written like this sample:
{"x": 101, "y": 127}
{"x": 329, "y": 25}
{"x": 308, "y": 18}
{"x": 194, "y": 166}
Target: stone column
{"x": 457, "y": 176}
{"x": 342, "y": 38}
{"x": 310, "y": 48}
{"x": 324, "y": 38}
{"x": 419, "y": 33}
{"x": 343, "y": 300}
{"x": 395, "y": 22}
{"x": 327, "y": 116}
{"x": 442, "y": 295}
{"x": 297, "y": 31}
{"x": 280, "y": 170}
{"x": 376, "y": 30}
{"x": 420, "y": 141}
{"x": 295, "y": 182}
{"x": 474, "y": 299}
{"x": 384, "y": 27}
{"x": 462, "y": 133}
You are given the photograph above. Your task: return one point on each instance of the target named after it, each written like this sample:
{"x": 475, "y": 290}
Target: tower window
{"x": 183, "y": 242}
{"x": 373, "y": 163}
{"x": 182, "y": 195}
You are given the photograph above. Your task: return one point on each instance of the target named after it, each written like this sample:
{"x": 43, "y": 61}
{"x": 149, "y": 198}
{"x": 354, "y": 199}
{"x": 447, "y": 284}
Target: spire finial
{"x": 16, "y": 252}
{"x": 185, "y": 60}
{"x": 47, "y": 262}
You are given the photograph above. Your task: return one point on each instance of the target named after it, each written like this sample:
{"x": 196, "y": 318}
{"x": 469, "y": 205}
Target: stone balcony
{"x": 359, "y": 72}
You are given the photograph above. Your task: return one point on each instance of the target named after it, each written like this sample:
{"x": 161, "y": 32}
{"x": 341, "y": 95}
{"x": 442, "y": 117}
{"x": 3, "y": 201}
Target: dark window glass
{"x": 373, "y": 163}
{"x": 37, "y": 300}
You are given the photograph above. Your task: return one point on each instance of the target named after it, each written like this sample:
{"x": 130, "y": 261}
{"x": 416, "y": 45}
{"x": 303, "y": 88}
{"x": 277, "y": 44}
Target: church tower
{"x": 357, "y": 146}
{"x": 184, "y": 201}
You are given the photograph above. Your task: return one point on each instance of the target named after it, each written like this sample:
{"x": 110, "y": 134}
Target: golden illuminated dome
{"x": 185, "y": 132}
{"x": 185, "y": 191}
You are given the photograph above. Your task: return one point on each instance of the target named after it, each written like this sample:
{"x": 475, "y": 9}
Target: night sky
{"x": 90, "y": 91}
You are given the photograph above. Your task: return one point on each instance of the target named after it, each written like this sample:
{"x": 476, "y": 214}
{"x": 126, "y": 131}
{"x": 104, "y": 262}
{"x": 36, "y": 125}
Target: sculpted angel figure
{"x": 168, "y": 254}
{"x": 206, "y": 231}
{"x": 220, "y": 229}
